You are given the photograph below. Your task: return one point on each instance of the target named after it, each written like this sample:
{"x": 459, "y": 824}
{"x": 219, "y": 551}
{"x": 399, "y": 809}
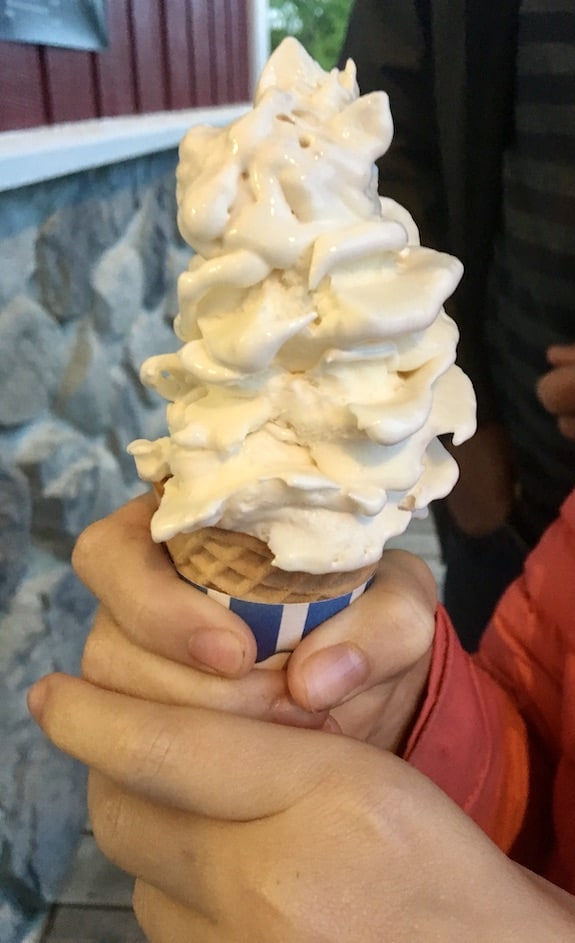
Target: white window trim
{"x": 37, "y": 154}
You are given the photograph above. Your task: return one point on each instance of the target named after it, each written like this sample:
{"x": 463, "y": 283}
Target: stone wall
{"x": 88, "y": 269}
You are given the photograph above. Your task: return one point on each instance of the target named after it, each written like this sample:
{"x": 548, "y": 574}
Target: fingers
{"x": 111, "y": 661}
{"x": 206, "y": 865}
{"x": 561, "y": 354}
{"x": 172, "y": 850}
{"x": 556, "y": 391}
{"x": 566, "y": 426}
{"x": 382, "y": 634}
{"x": 206, "y": 762}
{"x": 136, "y": 581}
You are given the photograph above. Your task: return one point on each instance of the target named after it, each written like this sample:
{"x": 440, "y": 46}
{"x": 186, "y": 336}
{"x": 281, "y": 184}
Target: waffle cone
{"x": 241, "y": 566}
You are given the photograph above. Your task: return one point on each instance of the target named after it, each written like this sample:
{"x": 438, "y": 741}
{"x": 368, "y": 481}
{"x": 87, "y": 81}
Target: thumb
{"x": 382, "y": 634}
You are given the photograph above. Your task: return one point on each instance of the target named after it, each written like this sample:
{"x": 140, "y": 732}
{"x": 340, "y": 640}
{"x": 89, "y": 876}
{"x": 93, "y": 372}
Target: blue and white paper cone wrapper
{"x": 279, "y": 628}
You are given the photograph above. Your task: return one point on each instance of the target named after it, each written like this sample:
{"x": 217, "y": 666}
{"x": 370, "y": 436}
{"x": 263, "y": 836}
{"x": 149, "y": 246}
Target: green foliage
{"x": 318, "y": 24}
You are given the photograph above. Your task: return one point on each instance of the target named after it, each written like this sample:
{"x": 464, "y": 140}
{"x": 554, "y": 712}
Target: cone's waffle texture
{"x": 241, "y": 566}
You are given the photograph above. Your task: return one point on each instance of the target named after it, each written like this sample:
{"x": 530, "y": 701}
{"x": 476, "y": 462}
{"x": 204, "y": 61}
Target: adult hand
{"x": 482, "y": 499}
{"x": 556, "y": 390}
{"x": 367, "y": 665}
{"x": 239, "y": 830}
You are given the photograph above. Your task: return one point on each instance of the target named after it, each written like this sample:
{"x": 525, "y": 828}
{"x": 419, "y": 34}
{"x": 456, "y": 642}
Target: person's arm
{"x": 390, "y": 45}
{"x": 472, "y": 741}
{"x": 488, "y": 731}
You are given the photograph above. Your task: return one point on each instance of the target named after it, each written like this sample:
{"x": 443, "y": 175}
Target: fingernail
{"x": 217, "y": 649}
{"x": 331, "y": 725}
{"x": 36, "y": 700}
{"x": 332, "y": 674}
{"x": 286, "y": 712}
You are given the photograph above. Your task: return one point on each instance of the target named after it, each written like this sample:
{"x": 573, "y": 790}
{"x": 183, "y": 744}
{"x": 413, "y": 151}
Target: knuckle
{"x": 108, "y": 815}
{"x": 152, "y": 754}
{"x": 147, "y": 914}
{"x": 97, "y": 658}
{"x": 144, "y": 620}
{"x": 86, "y": 549}
{"x": 412, "y": 617}
{"x": 140, "y": 904}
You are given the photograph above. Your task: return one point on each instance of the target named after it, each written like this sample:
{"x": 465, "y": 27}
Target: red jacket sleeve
{"x": 471, "y": 740}
{"x": 496, "y": 731}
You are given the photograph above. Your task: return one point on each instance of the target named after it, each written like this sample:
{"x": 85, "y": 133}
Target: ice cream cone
{"x": 316, "y": 372}
{"x": 241, "y": 566}
{"x": 237, "y": 570}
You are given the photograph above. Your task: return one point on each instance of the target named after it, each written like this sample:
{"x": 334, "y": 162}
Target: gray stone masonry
{"x": 88, "y": 271}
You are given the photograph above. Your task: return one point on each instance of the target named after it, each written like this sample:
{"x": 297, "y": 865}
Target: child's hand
{"x": 367, "y": 665}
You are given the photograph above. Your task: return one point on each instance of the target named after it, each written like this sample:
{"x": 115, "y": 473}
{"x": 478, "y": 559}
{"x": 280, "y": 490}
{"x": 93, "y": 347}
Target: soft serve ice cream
{"x": 317, "y": 369}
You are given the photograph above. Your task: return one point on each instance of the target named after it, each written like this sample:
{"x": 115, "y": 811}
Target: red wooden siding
{"x": 21, "y": 67}
{"x": 200, "y": 38}
{"x": 149, "y": 57}
{"x": 179, "y": 81}
{"x": 115, "y": 65}
{"x": 239, "y": 41}
{"x": 163, "y": 55}
{"x": 69, "y": 84}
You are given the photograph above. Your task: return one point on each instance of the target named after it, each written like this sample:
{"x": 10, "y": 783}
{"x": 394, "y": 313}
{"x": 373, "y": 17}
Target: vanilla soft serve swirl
{"x": 317, "y": 363}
